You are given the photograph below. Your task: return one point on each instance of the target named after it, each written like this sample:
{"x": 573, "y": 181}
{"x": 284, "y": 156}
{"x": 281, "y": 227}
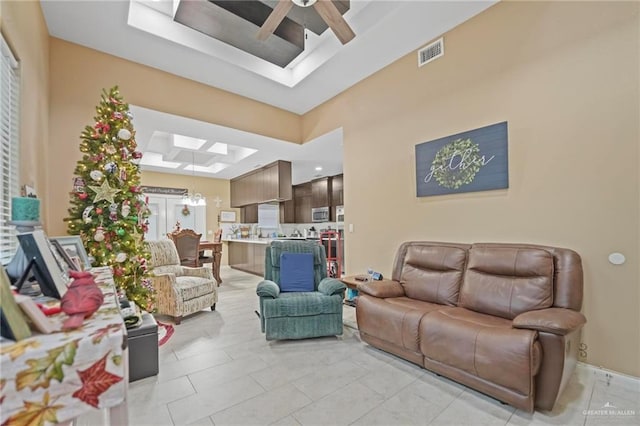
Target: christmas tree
{"x": 107, "y": 209}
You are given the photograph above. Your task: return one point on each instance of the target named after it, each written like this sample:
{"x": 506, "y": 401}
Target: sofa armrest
{"x": 331, "y": 286}
{"x": 382, "y": 289}
{"x": 201, "y": 272}
{"x": 558, "y": 321}
{"x": 267, "y": 288}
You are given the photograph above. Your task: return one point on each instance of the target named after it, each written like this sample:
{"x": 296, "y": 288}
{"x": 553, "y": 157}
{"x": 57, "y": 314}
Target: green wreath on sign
{"x": 453, "y": 172}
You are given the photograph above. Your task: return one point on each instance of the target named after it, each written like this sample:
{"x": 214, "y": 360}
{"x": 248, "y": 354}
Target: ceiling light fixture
{"x": 304, "y": 3}
{"x": 318, "y": 168}
{"x": 194, "y": 198}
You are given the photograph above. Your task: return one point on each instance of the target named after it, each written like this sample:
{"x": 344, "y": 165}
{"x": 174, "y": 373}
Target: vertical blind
{"x": 9, "y": 116}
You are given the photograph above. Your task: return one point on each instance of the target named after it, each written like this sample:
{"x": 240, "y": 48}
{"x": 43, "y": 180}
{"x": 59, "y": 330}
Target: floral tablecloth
{"x": 51, "y": 378}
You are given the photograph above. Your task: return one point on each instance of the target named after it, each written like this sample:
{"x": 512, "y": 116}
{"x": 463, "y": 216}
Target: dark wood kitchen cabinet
{"x": 288, "y": 211}
{"x": 320, "y": 192}
{"x": 337, "y": 191}
{"x": 302, "y": 199}
{"x": 269, "y": 183}
{"x": 249, "y": 214}
{"x": 247, "y": 257}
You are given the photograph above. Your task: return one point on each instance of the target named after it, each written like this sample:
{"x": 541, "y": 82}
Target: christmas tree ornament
{"x": 85, "y": 214}
{"x": 126, "y": 208}
{"x": 121, "y": 257}
{"x": 120, "y": 232}
{"x": 117, "y": 116}
{"x": 99, "y": 235}
{"x": 114, "y": 139}
{"x": 110, "y": 149}
{"x": 130, "y": 115}
{"x": 123, "y": 175}
{"x": 102, "y": 127}
{"x": 110, "y": 167}
{"x": 124, "y": 134}
{"x": 96, "y": 175}
{"x": 113, "y": 211}
{"x": 83, "y": 195}
{"x": 134, "y": 189}
{"x": 104, "y": 192}
{"x": 99, "y": 210}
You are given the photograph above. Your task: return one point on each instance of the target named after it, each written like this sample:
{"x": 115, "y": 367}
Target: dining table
{"x": 216, "y": 249}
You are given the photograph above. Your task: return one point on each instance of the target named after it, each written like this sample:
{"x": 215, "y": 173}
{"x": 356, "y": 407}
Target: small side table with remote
{"x": 352, "y": 282}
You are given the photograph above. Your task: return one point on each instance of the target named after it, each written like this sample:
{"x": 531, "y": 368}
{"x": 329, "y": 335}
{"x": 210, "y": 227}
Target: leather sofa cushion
{"x": 506, "y": 281}
{"x": 433, "y": 273}
{"x": 482, "y": 345}
{"x": 395, "y": 320}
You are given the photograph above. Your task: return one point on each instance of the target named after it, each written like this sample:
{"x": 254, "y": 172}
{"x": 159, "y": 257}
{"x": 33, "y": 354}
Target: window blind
{"x": 9, "y": 148}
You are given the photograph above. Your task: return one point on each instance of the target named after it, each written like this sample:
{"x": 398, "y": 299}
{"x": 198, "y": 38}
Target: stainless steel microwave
{"x": 320, "y": 214}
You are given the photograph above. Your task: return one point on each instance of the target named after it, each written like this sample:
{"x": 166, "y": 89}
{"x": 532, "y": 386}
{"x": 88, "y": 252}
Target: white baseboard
{"x": 606, "y": 374}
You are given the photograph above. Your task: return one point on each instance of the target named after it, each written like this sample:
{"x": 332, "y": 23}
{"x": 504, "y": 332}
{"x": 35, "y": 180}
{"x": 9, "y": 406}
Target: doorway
{"x": 169, "y": 210}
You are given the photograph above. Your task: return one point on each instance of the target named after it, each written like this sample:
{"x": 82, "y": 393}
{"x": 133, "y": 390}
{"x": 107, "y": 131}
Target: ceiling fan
{"x": 325, "y": 8}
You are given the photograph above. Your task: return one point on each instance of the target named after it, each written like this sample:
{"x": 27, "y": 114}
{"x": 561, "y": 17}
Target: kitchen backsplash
{"x": 284, "y": 228}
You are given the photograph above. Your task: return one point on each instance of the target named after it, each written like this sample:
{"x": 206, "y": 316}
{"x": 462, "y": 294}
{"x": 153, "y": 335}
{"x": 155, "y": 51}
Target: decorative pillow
{"x": 296, "y": 272}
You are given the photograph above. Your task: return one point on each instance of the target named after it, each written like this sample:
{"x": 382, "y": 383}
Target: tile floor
{"x": 217, "y": 369}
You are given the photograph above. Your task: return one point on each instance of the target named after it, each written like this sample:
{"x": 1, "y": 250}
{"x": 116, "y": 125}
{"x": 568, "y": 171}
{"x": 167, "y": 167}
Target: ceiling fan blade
{"x": 331, "y": 15}
{"x": 274, "y": 19}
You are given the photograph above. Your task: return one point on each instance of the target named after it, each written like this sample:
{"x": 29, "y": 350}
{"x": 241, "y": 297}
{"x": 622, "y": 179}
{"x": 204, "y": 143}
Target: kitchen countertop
{"x": 255, "y": 240}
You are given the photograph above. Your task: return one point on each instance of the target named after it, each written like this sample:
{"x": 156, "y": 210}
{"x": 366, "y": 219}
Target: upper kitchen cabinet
{"x": 337, "y": 191}
{"x": 302, "y": 198}
{"x": 269, "y": 183}
{"x": 321, "y": 192}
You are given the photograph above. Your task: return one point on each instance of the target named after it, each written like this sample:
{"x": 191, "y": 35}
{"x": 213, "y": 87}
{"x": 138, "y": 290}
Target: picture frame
{"x": 63, "y": 258}
{"x": 227, "y": 216}
{"x": 13, "y": 325}
{"x": 37, "y": 317}
{"x": 73, "y": 247}
{"x": 52, "y": 276}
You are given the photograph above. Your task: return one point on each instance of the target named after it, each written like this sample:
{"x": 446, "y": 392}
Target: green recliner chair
{"x": 295, "y": 302}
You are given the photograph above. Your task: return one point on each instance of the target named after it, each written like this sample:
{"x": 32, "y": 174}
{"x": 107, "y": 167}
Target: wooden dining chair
{"x": 187, "y": 242}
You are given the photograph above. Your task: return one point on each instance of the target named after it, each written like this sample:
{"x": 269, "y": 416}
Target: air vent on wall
{"x": 430, "y": 52}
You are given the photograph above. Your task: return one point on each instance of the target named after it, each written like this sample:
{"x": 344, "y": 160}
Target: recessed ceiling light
{"x": 318, "y": 168}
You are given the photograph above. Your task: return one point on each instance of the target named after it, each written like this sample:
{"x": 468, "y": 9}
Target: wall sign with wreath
{"x": 185, "y": 211}
{"x": 476, "y": 160}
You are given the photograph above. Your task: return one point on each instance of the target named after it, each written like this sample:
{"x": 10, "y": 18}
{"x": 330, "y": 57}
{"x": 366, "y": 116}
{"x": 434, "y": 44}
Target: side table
{"x": 143, "y": 349}
{"x": 352, "y": 282}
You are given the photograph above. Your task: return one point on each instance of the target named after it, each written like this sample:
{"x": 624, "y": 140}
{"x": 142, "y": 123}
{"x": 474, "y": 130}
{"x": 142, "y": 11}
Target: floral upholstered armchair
{"x": 180, "y": 290}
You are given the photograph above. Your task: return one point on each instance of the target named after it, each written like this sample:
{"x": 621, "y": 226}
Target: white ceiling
{"x": 143, "y": 31}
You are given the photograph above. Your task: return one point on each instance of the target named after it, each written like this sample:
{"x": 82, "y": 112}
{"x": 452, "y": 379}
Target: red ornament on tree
{"x": 82, "y": 195}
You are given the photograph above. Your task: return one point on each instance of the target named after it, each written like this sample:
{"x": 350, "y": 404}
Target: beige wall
{"x": 565, "y": 76}
{"x": 78, "y": 76}
{"x": 209, "y": 188}
{"x": 24, "y": 28}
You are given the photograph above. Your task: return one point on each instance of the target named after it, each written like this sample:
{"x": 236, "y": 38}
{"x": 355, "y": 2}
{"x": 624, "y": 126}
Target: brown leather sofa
{"x": 500, "y": 318}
